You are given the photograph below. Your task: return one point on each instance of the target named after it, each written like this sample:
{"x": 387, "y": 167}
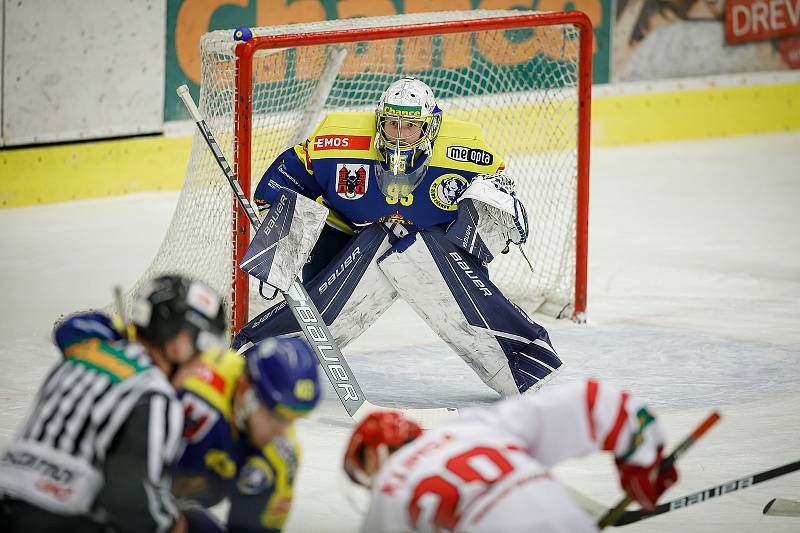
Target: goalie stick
{"x": 782, "y": 507}
{"x": 306, "y": 313}
{"x": 613, "y": 515}
{"x": 628, "y": 517}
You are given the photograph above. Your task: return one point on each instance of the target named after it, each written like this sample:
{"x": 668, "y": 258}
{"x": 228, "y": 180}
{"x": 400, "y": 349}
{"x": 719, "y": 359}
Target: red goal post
{"x": 525, "y": 77}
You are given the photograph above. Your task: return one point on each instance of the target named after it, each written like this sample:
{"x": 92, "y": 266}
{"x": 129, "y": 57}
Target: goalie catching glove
{"x": 490, "y": 217}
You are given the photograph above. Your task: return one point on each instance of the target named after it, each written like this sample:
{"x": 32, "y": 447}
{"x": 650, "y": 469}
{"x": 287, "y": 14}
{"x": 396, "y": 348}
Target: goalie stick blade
{"x": 427, "y": 418}
{"x": 592, "y": 507}
{"x": 782, "y": 507}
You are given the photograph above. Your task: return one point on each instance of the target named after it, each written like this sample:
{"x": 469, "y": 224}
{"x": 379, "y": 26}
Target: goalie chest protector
{"x": 342, "y": 154}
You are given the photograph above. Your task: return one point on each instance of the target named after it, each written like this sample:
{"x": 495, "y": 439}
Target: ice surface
{"x": 694, "y": 303}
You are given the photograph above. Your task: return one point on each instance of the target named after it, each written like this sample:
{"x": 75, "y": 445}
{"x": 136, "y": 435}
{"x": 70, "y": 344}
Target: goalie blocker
{"x": 284, "y": 240}
{"x": 446, "y": 287}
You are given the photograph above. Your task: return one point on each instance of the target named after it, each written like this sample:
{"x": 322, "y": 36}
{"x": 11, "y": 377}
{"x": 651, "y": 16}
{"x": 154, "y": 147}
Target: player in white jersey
{"x": 488, "y": 469}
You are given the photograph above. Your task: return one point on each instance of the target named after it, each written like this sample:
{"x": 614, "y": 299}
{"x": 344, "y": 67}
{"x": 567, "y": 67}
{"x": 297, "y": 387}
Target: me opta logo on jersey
{"x": 446, "y": 189}
{"x": 469, "y": 155}
{"x": 352, "y": 180}
{"x": 342, "y": 142}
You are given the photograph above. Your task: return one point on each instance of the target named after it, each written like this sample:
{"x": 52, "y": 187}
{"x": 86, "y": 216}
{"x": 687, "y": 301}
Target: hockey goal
{"x": 524, "y": 76}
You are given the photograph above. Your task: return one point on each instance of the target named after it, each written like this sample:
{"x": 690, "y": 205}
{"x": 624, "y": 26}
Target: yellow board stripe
{"x": 30, "y": 176}
{"x": 695, "y": 114}
{"x": 79, "y": 171}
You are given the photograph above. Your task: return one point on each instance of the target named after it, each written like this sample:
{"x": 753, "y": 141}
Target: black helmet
{"x": 170, "y": 303}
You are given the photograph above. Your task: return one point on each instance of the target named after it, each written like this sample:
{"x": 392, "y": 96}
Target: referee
{"x": 106, "y": 424}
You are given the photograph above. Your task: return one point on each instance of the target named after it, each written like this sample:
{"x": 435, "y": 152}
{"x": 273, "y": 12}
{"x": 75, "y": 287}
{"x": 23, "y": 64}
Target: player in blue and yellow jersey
{"x": 240, "y": 442}
{"x": 418, "y": 206}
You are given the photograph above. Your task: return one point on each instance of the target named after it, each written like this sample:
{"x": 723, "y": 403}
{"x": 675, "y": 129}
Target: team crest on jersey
{"x": 396, "y": 218}
{"x": 255, "y": 477}
{"x": 352, "y": 180}
{"x": 446, "y": 189}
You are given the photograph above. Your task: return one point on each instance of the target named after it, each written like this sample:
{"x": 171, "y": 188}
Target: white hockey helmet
{"x": 407, "y": 122}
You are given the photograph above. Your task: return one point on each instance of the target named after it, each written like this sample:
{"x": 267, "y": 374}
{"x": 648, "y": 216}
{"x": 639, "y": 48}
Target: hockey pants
{"x": 445, "y": 286}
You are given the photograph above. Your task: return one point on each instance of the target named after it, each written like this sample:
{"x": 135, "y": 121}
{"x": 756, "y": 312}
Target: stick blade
{"x": 426, "y": 418}
{"x": 782, "y": 507}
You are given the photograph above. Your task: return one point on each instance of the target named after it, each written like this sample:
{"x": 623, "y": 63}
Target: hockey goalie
{"x": 417, "y": 207}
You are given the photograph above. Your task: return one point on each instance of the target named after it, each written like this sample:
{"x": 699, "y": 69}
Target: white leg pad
{"x": 415, "y": 276}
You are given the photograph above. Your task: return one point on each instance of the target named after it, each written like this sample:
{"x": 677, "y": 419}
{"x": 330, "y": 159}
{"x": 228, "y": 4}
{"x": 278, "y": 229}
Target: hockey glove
{"x": 498, "y": 198}
{"x": 637, "y": 441}
{"x": 199, "y": 519}
{"x": 646, "y": 483}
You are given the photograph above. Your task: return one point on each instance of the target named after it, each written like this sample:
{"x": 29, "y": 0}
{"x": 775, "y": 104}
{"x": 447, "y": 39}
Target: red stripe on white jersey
{"x": 610, "y": 443}
{"x": 591, "y": 399}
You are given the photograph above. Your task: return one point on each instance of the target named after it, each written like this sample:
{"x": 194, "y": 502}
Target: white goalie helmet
{"x": 407, "y": 122}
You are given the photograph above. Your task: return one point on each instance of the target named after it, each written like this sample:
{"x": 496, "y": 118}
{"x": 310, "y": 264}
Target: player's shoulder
{"x": 214, "y": 378}
{"x": 91, "y": 340}
{"x": 343, "y": 135}
{"x": 460, "y": 145}
{"x": 78, "y": 327}
{"x": 358, "y": 121}
{"x": 463, "y": 130}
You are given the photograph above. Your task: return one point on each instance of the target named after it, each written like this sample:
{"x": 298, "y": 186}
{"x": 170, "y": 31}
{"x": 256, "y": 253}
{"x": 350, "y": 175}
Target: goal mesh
{"x": 521, "y": 84}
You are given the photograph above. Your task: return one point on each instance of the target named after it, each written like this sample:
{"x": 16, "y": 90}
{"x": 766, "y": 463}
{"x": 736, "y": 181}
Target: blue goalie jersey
{"x": 219, "y": 462}
{"x": 336, "y": 166}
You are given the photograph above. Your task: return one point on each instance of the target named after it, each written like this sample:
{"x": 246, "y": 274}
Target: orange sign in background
{"x": 188, "y": 20}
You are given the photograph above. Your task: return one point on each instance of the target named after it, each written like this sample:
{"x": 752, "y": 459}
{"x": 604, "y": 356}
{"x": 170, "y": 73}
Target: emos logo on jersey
{"x": 352, "y": 180}
{"x": 342, "y": 142}
{"x": 446, "y": 189}
{"x": 469, "y": 155}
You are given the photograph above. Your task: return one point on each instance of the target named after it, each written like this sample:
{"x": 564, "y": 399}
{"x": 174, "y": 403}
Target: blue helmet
{"x": 284, "y": 374}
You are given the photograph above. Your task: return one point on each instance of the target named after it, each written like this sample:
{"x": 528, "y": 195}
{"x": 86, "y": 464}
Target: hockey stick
{"x": 782, "y": 507}
{"x": 629, "y": 517}
{"x": 613, "y": 514}
{"x": 306, "y": 313}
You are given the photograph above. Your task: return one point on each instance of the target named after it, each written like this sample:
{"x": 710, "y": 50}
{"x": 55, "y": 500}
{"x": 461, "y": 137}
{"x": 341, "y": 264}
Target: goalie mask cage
{"x": 525, "y": 77}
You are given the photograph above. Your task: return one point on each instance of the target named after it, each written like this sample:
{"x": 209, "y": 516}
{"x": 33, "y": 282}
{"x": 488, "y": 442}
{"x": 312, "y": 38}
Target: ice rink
{"x": 694, "y": 304}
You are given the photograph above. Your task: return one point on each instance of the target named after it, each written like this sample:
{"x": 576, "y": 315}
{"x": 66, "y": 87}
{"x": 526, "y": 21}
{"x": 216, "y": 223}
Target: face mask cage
{"x": 404, "y": 146}
{"x": 403, "y": 132}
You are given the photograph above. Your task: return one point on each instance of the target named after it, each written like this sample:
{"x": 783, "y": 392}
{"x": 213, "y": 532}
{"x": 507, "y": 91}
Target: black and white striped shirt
{"x": 105, "y": 417}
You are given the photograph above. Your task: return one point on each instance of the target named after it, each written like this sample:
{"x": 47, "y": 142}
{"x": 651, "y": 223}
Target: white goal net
{"x": 523, "y": 77}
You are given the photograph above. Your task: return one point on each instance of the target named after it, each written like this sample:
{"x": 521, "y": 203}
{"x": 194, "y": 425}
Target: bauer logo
{"x": 469, "y": 155}
{"x": 479, "y": 284}
{"x": 349, "y": 260}
{"x": 342, "y": 142}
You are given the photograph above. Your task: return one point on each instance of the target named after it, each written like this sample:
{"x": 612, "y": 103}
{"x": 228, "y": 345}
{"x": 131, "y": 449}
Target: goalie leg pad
{"x": 450, "y": 291}
{"x": 350, "y": 293}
